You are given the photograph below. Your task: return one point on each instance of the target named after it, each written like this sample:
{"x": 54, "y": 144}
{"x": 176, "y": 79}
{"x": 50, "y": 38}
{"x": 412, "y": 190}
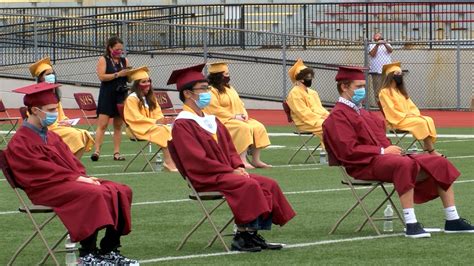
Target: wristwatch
{"x": 115, "y": 75}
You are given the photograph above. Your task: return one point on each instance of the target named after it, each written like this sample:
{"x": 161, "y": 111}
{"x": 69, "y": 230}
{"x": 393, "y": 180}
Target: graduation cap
{"x": 218, "y": 67}
{"x": 184, "y": 76}
{"x": 392, "y": 67}
{"x": 40, "y": 66}
{"x": 39, "y": 94}
{"x": 296, "y": 69}
{"x": 350, "y": 73}
{"x": 138, "y": 73}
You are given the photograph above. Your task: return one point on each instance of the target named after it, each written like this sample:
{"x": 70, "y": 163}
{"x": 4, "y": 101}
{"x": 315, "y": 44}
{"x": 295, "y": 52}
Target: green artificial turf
{"x": 162, "y": 215}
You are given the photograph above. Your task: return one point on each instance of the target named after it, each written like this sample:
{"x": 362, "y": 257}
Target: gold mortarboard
{"x": 218, "y": 67}
{"x": 392, "y": 67}
{"x": 40, "y": 66}
{"x": 296, "y": 69}
{"x": 138, "y": 73}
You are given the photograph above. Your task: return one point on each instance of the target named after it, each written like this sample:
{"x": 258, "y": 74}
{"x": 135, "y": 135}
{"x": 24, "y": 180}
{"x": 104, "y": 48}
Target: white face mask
{"x": 50, "y": 78}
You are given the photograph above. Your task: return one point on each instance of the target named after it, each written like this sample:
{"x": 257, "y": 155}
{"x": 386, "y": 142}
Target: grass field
{"x": 161, "y": 215}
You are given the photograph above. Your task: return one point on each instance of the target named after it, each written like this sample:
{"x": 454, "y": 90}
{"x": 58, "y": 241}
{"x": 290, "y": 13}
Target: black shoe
{"x": 458, "y": 226}
{"x": 263, "y": 244}
{"x": 95, "y": 157}
{"x": 115, "y": 258}
{"x": 415, "y": 230}
{"x": 243, "y": 241}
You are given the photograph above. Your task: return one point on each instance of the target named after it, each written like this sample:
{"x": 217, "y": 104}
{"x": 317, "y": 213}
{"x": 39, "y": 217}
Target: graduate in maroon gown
{"x": 51, "y": 175}
{"x": 356, "y": 139}
{"x": 212, "y": 163}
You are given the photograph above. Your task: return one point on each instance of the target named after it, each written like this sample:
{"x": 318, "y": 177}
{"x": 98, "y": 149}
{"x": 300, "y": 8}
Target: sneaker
{"x": 415, "y": 230}
{"x": 115, "y": 258}
{"x": 243, "y": 241}
{"x": 458, "y": 226}
{"x": 90, "y": 260}
{"x": 263, "y": 244}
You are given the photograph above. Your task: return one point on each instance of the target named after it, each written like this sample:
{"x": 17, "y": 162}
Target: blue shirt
{"x": 42, "y": 132}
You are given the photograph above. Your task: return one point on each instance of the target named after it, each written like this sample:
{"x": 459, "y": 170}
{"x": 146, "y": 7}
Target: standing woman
{"x": 112, "y": 72}
{"x": 143, "y": 114}
{"x": 227, "y": 106}
{"x": 78, "y": 140}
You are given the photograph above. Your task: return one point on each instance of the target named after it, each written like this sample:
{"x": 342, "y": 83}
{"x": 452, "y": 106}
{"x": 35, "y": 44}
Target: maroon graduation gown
{"x": 209, "y": 166}
{"x": 355, "y": 141}
{"x": 48, "y": 171}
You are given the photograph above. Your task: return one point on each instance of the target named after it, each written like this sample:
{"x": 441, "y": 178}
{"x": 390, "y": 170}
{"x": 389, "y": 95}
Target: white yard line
{"x": 303, "y": 169}
{"x": 454, "y": 136}
{"x": 286, "y": 193}
{"x": 297, "y": 245}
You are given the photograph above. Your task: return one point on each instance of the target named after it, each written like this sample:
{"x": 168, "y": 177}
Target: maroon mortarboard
{"x": 186, "y": 75}
{"x": 350, "y": 73}
{"x": 39, "y": 94}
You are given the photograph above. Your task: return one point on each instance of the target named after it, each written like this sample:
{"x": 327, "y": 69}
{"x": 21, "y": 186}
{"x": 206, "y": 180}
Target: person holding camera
{"x": 379, "y": 55}
{"x": 112, "y": 70}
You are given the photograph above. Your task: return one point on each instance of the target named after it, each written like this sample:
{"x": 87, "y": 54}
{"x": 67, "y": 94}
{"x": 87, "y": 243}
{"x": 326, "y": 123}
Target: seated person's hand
{"x": 392, "y": 149}
{"x": 241, "y": 171}
{"x": 89, "y": 180}
{"x": 64, "y": 123}
{"x": 241, "y": 117}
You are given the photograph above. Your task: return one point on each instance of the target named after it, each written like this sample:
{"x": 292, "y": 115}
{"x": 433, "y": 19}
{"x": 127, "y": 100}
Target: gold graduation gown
{"x": 244, "y": 133}
{"x": 307, "y": 112}
{"x": 143, "y": 122}
{"x": 403, "y": 114}
{"x": 75, "y": 138}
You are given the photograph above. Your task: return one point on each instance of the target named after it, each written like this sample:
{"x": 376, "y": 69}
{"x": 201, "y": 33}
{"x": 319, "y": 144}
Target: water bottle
{"x": 322, "y": 157}
{"x": 158, "y": 163}
{"x": 70, "y": 246}
{"x": 388, "y": 219}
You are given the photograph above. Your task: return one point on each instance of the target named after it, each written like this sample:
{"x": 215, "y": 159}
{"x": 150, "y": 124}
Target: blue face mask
{"x": 204, "y": 99}
{"x": 51, "y": 78}
{"x": 358, "y": 96}
{"x": 50, "y": 118}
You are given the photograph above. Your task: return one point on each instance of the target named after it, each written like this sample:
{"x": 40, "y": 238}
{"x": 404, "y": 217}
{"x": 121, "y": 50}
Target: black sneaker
{"x": 460, "y": 225}
{"x": 243, "y": 241}
{"x": 115, "y": 258}
{"x": 90, "y": 260}
{"x": 263, "y": 244}
{"x": 415, "y": 230}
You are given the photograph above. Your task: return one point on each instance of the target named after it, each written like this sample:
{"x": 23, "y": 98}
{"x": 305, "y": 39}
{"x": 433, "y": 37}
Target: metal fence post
{"x": 204, "y": 46}
{"x": 366, "y": 65}
{"x": 35, "y": 38}
{"x": 304, "y": 26}
{"x": 458, "y": 74}
{"x": 283, "y": 64}
{"x": 125, "y": 36}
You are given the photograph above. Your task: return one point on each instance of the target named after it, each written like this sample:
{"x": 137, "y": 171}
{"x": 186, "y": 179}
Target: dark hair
{"x": 387, "y": 83}
{"x": 111, "y": 43}
{"x": 150, "y": 96}
{"x": 188, "y": 87}
{"x": 303, "y": 73}
{"x": 216, "y": 80}
{"x": 340, "y": 83}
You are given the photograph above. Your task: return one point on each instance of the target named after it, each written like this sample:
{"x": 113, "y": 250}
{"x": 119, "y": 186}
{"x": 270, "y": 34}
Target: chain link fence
{"x": 439, "y": 74}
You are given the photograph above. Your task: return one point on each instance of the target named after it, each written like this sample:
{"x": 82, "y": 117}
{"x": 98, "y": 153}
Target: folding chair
{"x": 399, "y": 134}
{"x": 199, "y": 197}
{"x": 301, "y": 136}
{"x": 7, "y": 119}
{"x": 30, "y": 210}
{"x": 165, "y": 103}
{"x": 141, "y": 151}
{"x": 353, "y": 184}
{"x": 87, "y": 105}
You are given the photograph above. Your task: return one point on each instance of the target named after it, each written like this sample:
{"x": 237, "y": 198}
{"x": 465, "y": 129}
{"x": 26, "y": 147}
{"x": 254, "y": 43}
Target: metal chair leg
{"x": 56, "y": 244}
{"x": 220, "y": 231}
{"x": 201, "y": 221}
